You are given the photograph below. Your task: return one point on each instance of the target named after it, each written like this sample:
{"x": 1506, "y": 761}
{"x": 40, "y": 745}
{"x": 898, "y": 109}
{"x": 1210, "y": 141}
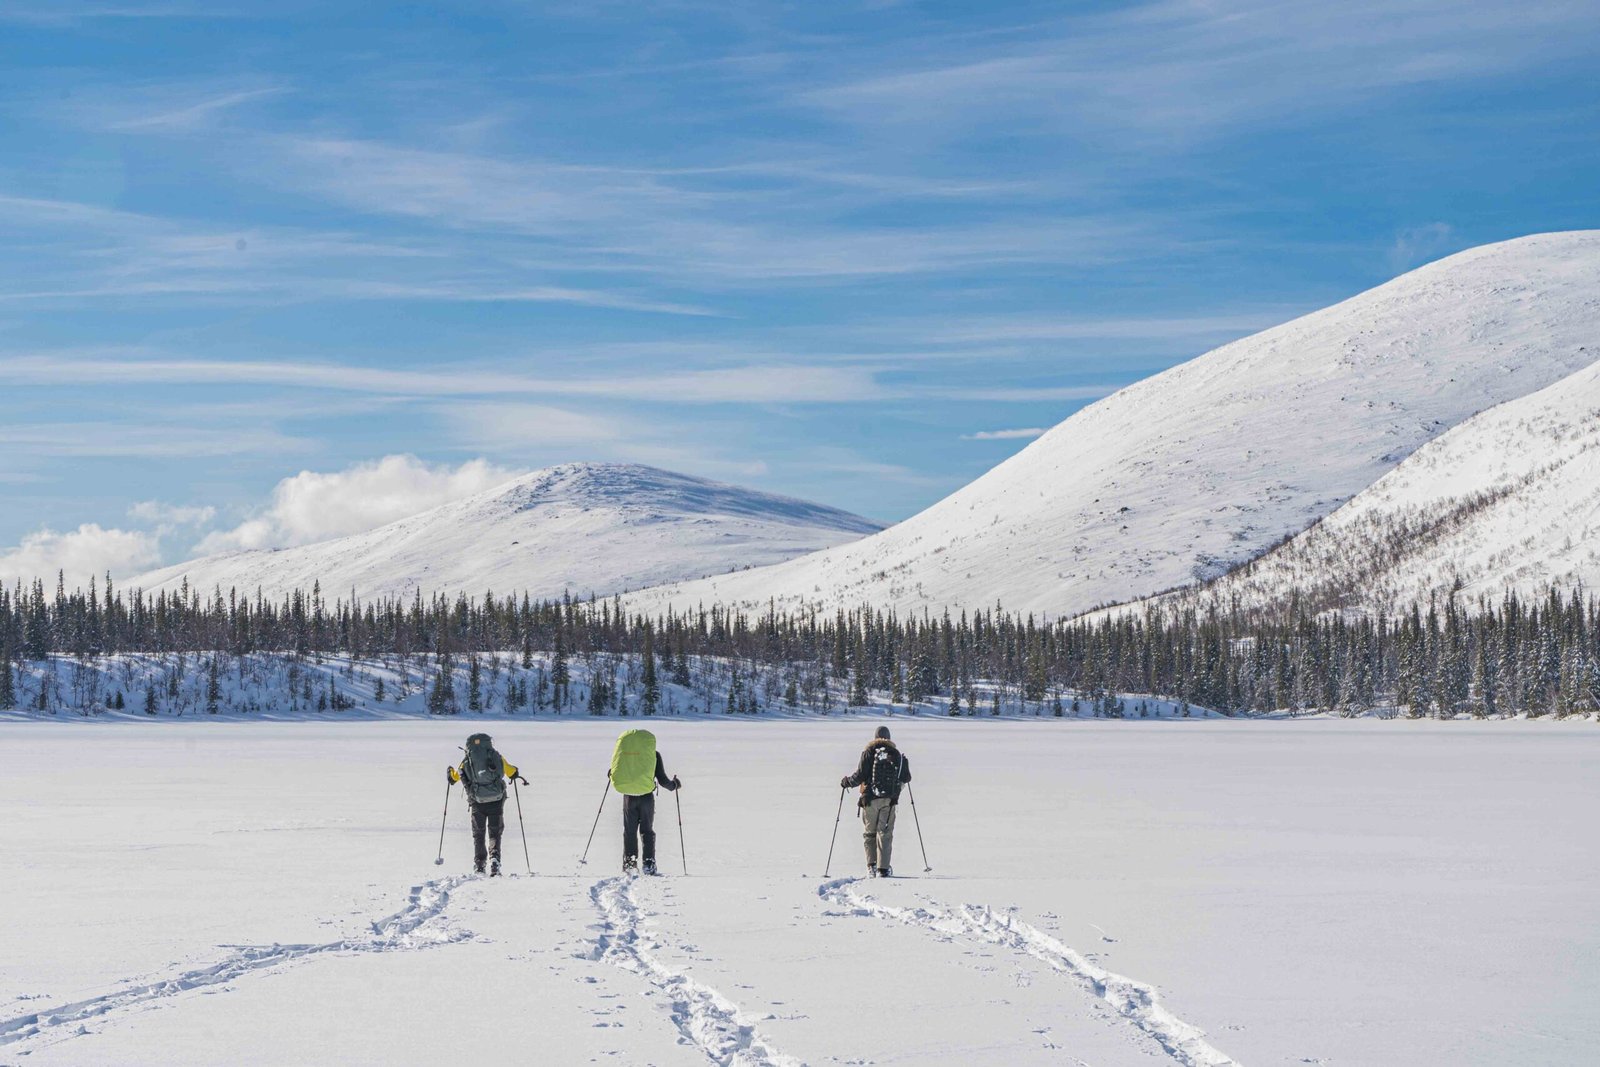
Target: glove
{"x": 676, "y": 785}
{"x": 844, "y": 783}
{"x": 450, "y": 775}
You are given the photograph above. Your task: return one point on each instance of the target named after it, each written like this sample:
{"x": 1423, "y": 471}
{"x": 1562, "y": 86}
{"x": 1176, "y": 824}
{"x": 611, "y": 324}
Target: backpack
{"x": 483, "y": 771}
{"x": 633, "y": 763}
{"x": 883, "y": 777}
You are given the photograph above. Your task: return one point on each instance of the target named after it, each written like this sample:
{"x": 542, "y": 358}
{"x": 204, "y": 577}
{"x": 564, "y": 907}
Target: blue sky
{"x": 852, "y": 252}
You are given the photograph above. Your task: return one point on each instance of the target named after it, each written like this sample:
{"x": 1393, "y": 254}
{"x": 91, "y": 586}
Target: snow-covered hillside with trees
{"x": 1506, "y": 503}
{"x": 583, "y": 528}
{"x": 1185, "y": 475}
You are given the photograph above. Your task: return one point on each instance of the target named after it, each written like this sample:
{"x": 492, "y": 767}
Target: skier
{"x": 636, "y": 770}
{"x": 883, "y": 770}
{"x": 480, "y": 773}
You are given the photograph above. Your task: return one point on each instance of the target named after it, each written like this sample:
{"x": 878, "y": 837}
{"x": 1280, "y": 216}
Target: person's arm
{"x": 666, "y": 783}
{"x": 905, "y": 768}
{"x": 852, "y": 780}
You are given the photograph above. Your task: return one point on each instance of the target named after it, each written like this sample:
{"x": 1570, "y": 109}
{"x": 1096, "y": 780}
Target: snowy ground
{"x": 1103, "y": 893}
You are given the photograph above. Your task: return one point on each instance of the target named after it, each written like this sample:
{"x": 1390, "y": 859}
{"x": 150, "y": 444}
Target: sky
{"x": 271, "y": 273}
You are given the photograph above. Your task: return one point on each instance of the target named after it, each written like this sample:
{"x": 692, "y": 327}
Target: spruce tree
{"x": 213, "y": 686}
{"x": 474, "y": 684}
{"x": 651, "y": 699}
{"x": 8, "y": 690}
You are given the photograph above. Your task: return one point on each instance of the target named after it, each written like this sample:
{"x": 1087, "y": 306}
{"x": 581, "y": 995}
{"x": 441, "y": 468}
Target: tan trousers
{"x": 877, "y": 822}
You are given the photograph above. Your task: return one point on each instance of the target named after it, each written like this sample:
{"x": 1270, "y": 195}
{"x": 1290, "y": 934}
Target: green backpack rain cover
{"x": 633, "y": 763}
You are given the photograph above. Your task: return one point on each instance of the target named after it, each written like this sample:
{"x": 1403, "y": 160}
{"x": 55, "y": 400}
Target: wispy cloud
{"x": 1187, "y": 68}
{"x": 1005, "y": 435}
{"x": 122, "y": 440}
{"x": 191, "y": 115}
{"x": 721, "y": 385}
{"x": 1416, "y": 245}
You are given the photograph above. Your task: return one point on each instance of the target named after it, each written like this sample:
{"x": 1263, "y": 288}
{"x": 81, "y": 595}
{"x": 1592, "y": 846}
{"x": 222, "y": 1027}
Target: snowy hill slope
{"x": 1185, "y": 475}
{"x": 582, "y": 527}
{"x": 1508, "y": 501}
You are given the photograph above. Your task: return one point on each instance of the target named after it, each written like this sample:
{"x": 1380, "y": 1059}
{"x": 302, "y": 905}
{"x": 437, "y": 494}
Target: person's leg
{"x": 496, "y": 818}
{"x": 869, "y": 832}
{"x": 479, "y": 853}
{"x": 885, "y": 835}
{"x": 630, "y": 830}
{"x": 647, "y": 828}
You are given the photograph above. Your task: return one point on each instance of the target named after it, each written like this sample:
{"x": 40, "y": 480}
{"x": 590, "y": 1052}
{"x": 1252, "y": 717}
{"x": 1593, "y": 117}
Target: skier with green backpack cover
{"x": 483, "y": 774}
{"x": 636, "y": 770}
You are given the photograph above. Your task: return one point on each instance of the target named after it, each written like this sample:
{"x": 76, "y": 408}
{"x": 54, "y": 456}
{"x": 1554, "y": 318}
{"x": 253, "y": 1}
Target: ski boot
{"x": 885, "y": 872}
{"x": 650, "y": 867}
{"x": 494, "y": 868}
{"x": 872, "y": 872}
{"x": 630, "y": 865}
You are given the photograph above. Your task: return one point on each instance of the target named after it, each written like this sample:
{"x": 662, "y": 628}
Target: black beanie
{"x": 883, "y": 733}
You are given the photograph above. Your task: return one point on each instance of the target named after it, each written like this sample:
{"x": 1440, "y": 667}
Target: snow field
{"x": 1106, "y": 893}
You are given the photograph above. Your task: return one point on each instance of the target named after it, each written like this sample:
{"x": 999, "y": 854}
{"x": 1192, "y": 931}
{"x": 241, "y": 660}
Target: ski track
{"x": 419, "y": 924}
{"x": 1133, "y": 1000}
{"x": 709, "y": 1020}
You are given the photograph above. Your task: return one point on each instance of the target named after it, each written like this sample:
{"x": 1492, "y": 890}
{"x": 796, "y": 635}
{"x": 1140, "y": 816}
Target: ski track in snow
{"x": 419, "y": 924}
{"x": 709, "y": 1020}
{"x": 1133, "y": 1000}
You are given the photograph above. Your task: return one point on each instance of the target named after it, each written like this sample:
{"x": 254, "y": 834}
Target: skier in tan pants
{"x": 883, "y": 770}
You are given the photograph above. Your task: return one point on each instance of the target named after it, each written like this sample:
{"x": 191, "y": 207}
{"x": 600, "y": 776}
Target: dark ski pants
{"x": 639, "y": 820}
{"x": 490, "y": 817}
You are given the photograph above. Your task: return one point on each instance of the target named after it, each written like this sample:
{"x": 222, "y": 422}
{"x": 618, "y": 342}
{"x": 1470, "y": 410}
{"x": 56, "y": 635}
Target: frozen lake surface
{"x": 1102, "y": 893}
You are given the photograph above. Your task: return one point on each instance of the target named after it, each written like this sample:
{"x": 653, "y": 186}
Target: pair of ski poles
{"x": 682, "y": 853}
{"x": 926, "y": 866}
{"x": 445, "y": 818}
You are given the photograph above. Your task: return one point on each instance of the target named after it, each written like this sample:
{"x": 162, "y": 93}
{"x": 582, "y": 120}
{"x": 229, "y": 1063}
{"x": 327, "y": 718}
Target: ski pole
{"x": 681, "y": 855}
{"x": 516, "y": 792}
{"x": 442, "y": 819}
{"x": 835, "y": 838}
{"x": 926, "y": 867}
{"x": 585, "y": 857}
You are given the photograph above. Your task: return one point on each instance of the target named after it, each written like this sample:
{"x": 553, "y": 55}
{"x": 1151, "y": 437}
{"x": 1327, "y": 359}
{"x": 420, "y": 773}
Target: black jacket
{"x": 863, "y": 775}
{"x": 661, "y": 776}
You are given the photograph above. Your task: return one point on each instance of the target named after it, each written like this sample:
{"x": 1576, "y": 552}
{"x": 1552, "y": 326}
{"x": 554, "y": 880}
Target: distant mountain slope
{"x": 1183, "y": 476}
{"x": 1508, "y": 501}
{"x": 583, "y": 527}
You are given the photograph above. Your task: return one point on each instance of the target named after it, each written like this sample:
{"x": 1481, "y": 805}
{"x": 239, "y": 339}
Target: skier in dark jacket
{"x": 883, "y": 770}
{"x": 636, "y": 770}
{"x": 480, "y": 771}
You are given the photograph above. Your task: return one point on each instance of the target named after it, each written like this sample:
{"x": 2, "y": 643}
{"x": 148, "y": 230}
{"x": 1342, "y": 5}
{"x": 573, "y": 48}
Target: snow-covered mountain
{"x": 582, "y": 527}
{"x": 1508, "y": 501}
{"x": 1183, "y": 476}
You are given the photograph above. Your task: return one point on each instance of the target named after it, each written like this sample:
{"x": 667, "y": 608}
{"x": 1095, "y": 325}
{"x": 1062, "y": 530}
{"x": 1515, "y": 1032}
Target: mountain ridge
{"x": 583, "y": 528}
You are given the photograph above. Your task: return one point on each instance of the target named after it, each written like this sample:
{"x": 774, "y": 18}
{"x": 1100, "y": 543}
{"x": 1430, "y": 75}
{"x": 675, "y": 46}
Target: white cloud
{"x": 168, "y": 517}
{"x": 314, "y": 506}
{"x": 1004, "y": 435}
{"x": 86, "y": 552}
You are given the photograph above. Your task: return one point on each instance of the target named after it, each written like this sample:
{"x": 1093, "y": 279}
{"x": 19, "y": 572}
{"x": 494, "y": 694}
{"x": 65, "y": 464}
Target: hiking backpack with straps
{"x": 483, "y": 771}
{"x": 883, "y": 777}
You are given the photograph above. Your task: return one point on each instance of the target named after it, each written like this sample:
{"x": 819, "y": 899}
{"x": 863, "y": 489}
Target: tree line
{"x": 1513, "y": 657}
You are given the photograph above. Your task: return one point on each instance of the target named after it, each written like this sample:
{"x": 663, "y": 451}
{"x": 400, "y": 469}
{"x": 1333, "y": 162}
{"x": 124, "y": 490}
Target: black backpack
{"x": 483, "y": 771}
{"x": 883, "y": 775}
